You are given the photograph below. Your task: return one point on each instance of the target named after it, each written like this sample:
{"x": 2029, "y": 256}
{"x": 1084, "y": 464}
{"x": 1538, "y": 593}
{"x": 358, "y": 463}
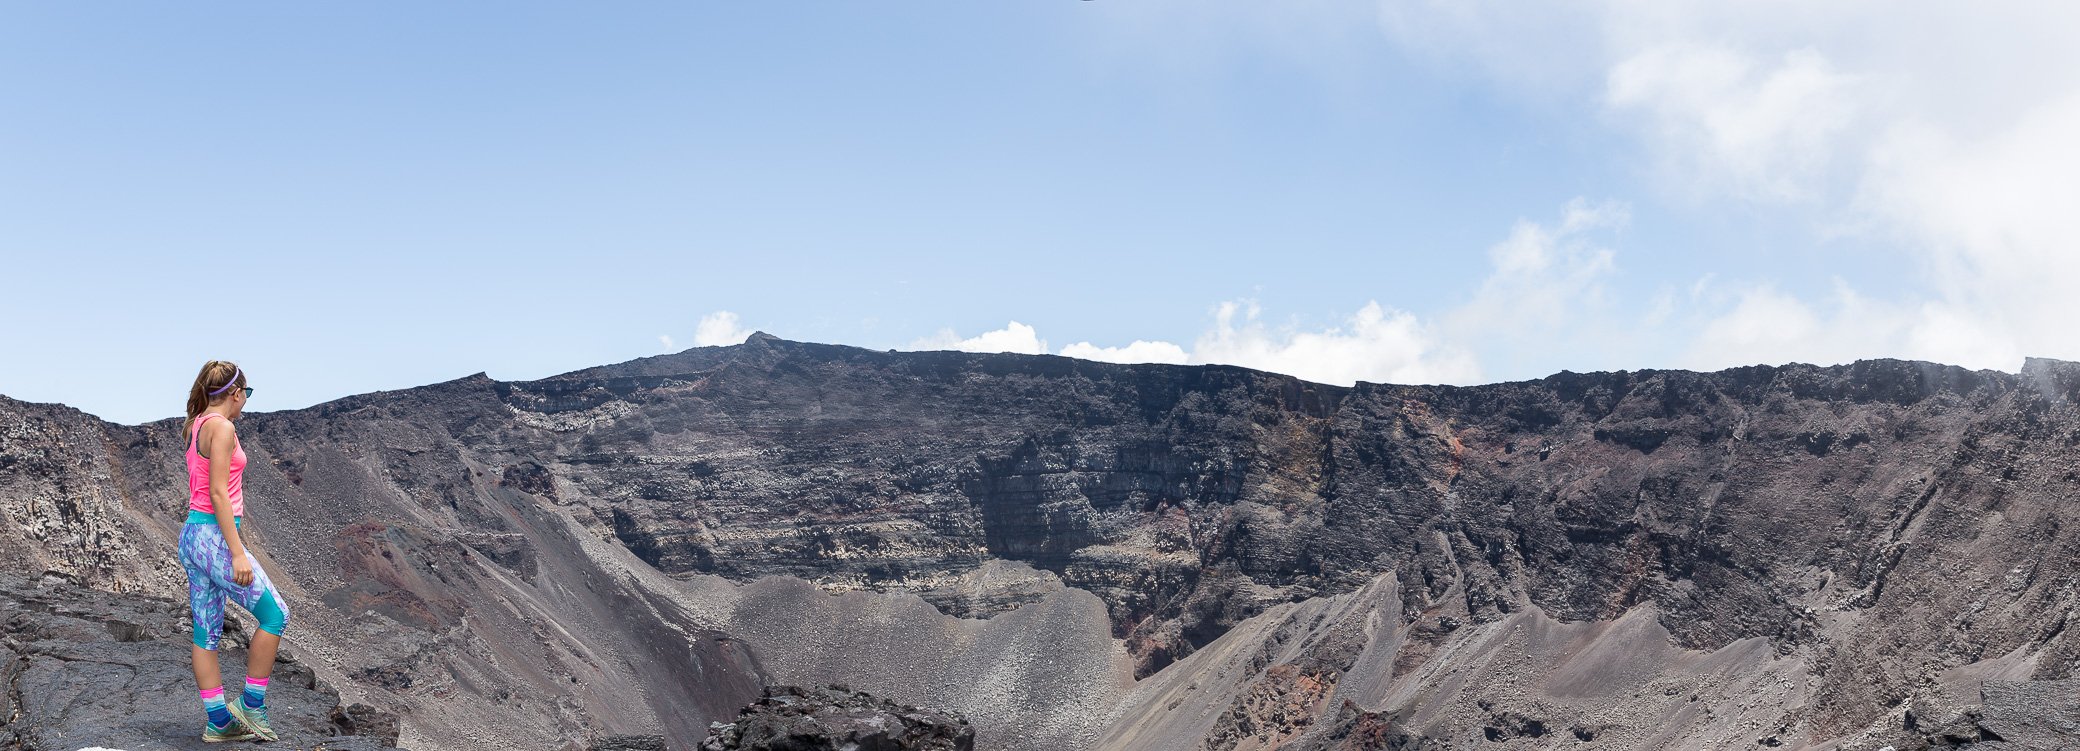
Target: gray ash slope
{"x": 1076, "y": 555}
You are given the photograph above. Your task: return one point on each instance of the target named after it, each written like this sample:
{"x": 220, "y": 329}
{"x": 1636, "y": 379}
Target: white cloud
{"x": 1947, "y": 137}
{"x": 1543, "y": 282}
{"x": 1374, "y": 344}
{"x": 719, "y": 329}
{"x": 1996, "y": 213}
{"x": 666, "y": 340}
{"x": 1766, "y": 325}
{"x": 1939, "y": 131}
{"x": 1765, "y": 128}
{"x": 1016, "y": 338}
{"x": 1138, "y": 351}
{"x": 1540, "y": 277}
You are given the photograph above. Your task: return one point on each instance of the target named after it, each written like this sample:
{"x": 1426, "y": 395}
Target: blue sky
{"x": 348, "y": 198}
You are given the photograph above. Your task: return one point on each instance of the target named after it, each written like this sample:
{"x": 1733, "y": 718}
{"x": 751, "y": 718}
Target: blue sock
{"x": 213, "y": 702}
{"x": 256, "y": 692}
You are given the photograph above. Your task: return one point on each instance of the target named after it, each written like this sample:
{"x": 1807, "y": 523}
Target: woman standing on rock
{"x": 219, "y": 566}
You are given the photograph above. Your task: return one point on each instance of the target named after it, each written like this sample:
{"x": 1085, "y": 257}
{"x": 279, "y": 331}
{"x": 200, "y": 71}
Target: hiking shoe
{"x": 231, "y": 731}
{"x": 254, "y": 718}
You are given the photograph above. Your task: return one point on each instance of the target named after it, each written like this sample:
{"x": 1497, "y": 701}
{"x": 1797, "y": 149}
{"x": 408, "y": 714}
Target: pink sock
{"x": 256, "y": 691}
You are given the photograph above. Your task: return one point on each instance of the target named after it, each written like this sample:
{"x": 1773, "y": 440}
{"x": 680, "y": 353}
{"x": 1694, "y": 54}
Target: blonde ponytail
{"x": 215, "y": 375}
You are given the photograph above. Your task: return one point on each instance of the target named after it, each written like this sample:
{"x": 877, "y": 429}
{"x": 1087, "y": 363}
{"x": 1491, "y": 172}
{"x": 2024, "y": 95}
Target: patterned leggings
{"x": 207, "y": 557}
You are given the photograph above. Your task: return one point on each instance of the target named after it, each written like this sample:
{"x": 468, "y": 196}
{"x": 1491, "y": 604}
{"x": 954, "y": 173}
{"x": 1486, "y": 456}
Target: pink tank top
{"x": 198, "y": 474}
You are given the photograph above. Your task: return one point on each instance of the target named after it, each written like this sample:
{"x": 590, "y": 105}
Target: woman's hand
{"x": 241, "y": 571}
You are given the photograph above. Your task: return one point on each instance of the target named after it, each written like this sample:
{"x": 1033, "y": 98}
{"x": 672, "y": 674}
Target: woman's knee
{"x": 273, "y": 617}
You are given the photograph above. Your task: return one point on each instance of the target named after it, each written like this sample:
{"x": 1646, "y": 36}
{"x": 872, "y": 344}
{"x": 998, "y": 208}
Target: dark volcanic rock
{"x": 835, "y": 718}
{"x": 629, "y": 743}
{"x": 362, "y": 719}
{"x": 488, "y": 553}
{"x": 2011, "y": 715}
{"x": 92, "y": 669}
{"x": 1274, "y": 710}
{"x": 1740, "y": 504}
{"x": 1355, "y": 729}
{"x": 2033, "y": 714}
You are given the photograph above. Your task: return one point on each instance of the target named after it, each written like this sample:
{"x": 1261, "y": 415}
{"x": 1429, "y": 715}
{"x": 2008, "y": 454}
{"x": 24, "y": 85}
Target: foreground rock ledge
{"x": 85, "y": 669}
{"x": 791, "y": 718}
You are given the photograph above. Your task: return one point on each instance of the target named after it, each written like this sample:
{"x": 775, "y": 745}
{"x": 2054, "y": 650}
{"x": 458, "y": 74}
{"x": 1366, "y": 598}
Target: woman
{"x": 219, "y": 566}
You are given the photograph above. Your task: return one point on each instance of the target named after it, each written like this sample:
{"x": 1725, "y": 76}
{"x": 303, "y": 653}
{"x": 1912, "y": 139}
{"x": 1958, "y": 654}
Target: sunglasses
{"x": 248, "y": 392}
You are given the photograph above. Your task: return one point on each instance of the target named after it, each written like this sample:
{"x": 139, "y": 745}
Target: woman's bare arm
{"x": 223, "y": 443}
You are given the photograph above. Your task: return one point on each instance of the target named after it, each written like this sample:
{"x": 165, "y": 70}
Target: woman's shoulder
{"x": 216, "y": 427}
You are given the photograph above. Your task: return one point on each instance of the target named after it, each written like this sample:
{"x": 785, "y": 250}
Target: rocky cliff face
{"x": 1078, "y": 555}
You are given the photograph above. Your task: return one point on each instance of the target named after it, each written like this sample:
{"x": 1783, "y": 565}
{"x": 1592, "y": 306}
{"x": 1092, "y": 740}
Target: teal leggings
{"x": 207, "y": 557}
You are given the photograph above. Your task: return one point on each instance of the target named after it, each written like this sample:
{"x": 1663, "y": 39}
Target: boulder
{"x": 836, "y": 718}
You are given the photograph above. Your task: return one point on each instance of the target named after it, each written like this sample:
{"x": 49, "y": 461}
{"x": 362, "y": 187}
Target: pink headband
{"x": 235, "y": 373}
